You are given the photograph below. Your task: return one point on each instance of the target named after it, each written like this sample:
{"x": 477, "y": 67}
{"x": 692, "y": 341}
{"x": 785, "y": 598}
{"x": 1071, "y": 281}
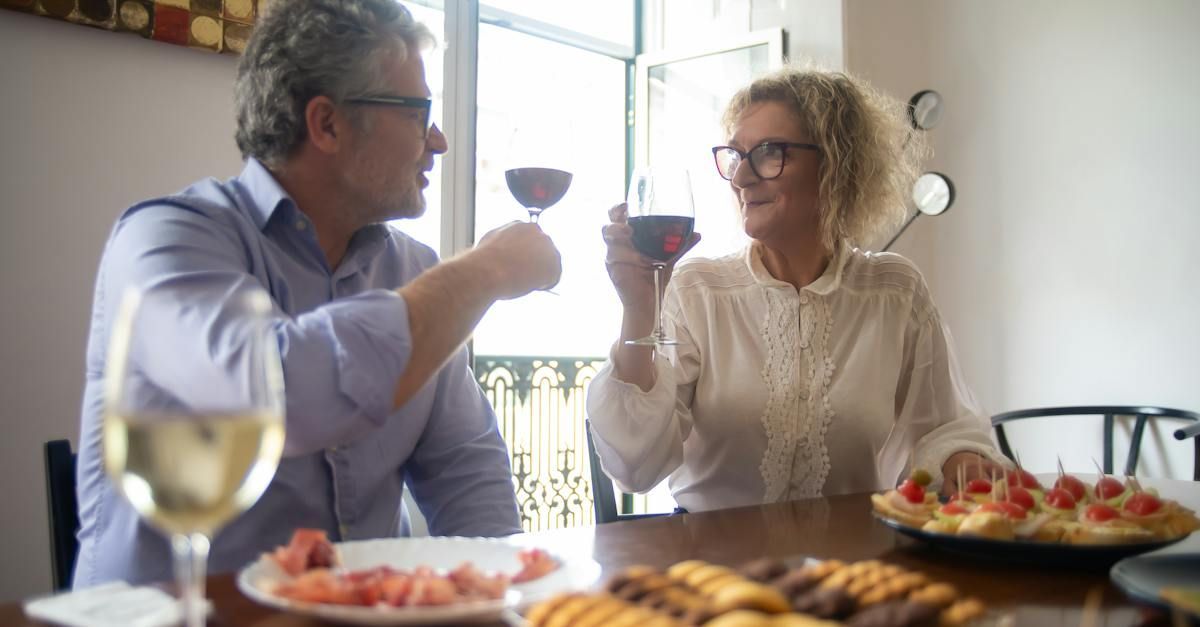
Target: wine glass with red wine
{"x": 537, "y": 189}
{"x": 662, "y": 217}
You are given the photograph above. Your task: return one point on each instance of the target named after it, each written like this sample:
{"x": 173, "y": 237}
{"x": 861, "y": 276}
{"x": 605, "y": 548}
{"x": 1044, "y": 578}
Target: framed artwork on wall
{"x": 214, "y": 25}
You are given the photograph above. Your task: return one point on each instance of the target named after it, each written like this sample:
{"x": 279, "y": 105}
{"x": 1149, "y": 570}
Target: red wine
{"x": 537, "y": 188}
{"x": 661, "y": 237}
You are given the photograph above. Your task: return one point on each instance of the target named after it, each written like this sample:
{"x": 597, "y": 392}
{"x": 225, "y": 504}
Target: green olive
{"x": 921, "y": 477}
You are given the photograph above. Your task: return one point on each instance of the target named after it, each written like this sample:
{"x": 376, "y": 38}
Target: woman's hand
{"x": 631, "y": 272}
{"x": 974, "y": 465}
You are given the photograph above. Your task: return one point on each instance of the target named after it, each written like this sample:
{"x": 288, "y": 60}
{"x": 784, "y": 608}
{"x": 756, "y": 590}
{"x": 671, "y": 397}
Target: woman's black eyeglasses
{"x": 766, "y": 159}
{"x": 424, "y": 105}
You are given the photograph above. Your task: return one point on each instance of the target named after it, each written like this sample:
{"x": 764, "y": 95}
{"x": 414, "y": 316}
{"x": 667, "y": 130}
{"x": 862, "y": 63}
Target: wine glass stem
{"x": 658, "y": 325}
{"x": 191, "y": 558}
{"x": 534, "y": 215}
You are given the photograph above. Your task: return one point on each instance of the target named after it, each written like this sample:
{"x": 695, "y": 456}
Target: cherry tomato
{"x": 912, "y": 491}
{"x": 1060, "y": 498}
{"x": 1024, "y": 479}
{"x": 1108, "y": 488}
{"x": 1021, "y": 496}
{"x": 1099, "y": 512}
{"x": 1011, "y": 510}
{"x": 1072, "y": 485}
{"x": 1142, "y": 504}
{"x": 979, "y": 486}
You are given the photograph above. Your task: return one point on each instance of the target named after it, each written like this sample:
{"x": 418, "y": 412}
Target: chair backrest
{"x": 64, "y": 513}
{"x": 1141, "y": 416}
{"x": 604, "y": 496}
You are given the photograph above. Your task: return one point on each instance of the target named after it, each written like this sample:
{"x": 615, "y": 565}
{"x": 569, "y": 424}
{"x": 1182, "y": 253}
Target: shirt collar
{"x": 264, "y": 194}
{"x": 829, "y": 281}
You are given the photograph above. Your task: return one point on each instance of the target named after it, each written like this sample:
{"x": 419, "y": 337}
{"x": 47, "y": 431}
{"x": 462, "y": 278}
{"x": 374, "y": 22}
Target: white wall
{"x": 1065, "y": 268}
{"x": 92, "y": 121}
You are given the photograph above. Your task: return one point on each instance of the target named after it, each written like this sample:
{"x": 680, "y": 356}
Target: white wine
{"x": 192, "y": 474}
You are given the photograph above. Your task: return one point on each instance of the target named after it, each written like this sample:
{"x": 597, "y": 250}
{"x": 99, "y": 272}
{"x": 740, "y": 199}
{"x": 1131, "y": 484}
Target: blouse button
{"x": 804, "y": 299}
{"x": 803, "y": 343}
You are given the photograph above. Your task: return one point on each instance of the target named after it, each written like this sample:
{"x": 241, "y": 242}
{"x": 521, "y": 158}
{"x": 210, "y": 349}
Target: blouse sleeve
{"x": 935, "y": 402}
{"x": 639, "y": 435}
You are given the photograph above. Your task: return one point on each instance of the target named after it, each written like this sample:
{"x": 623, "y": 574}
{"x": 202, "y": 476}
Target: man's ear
{"x": 327, "y": 127}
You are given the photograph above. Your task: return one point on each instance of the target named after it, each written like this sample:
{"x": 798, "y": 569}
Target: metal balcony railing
{"x": 539, "y": 403}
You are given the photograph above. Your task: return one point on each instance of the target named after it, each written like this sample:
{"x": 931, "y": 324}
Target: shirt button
{"x": 803, "y": 343}
{"x": 301, "y": 225}
{"x": 803, "y": 394}
{"x": 804, "y": 299}
{"x": 343, "y": 530}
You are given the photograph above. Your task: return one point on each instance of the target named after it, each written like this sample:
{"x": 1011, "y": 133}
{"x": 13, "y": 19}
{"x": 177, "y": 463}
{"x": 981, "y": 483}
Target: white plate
{"x": 259, "y": 579}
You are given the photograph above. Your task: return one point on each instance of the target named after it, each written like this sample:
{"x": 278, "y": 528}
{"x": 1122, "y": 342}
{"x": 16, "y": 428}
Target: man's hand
{"x": 447, "y": 301}
{"x": 521, "y": 258}
{"x": 974, "y": 466}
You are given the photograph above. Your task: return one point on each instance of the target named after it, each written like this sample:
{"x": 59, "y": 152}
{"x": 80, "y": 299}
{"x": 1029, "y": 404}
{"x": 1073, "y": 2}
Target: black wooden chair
{"x": 604, "y": 496}
{"x": 63, "y": 510}
{"x": 1141, "y": 416}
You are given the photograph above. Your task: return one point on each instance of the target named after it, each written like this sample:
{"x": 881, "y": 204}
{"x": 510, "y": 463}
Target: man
{"x": 333, "y": 120}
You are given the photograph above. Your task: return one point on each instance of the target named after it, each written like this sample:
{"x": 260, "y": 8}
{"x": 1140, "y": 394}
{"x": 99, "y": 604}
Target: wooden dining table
{"x": 840, "y": 527}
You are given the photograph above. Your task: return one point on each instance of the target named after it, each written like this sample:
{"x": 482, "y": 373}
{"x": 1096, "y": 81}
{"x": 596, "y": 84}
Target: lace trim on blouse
{"x": 797, "y": 373}
{"x": 781, "y": 335}
{"x": 810, "y": 466}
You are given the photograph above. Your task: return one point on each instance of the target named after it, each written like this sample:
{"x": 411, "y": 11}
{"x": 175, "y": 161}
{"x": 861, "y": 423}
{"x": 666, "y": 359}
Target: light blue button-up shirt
{"x": 344, "y": 339}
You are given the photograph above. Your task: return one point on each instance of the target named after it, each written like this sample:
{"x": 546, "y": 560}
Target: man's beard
{"x": 380, "y": 196}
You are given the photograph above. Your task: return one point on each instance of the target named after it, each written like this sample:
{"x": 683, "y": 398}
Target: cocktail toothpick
{"x": 1091, "y": 607}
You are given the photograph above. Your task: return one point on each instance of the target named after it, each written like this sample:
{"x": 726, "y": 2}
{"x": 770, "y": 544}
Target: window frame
{"x": 773, "y": 38}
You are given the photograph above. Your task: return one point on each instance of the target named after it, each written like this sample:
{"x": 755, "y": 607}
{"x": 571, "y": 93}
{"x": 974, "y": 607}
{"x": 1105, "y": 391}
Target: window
{"x": 680, "y": 99}
{"x": 587, "y": 21}
{"x": 547, "y": 83}
{"x": 542, "y": 103}
{"x": 535, "y": 82}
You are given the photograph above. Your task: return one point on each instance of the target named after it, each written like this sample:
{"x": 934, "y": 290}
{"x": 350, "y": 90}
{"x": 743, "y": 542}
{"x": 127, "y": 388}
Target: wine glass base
{"x": 652, "y": 341}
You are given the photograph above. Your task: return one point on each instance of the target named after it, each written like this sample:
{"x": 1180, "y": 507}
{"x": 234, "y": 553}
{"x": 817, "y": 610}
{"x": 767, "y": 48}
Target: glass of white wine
{"x": 189, "y": 445}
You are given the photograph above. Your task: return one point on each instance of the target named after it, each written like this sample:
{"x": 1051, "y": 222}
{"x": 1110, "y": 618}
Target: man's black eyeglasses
{"x": 766, "y": 159}
{"x": 424, "y": 105}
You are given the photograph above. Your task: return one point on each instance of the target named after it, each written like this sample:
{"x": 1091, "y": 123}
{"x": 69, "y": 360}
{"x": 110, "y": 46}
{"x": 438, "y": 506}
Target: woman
{"x": 806, "y": 366}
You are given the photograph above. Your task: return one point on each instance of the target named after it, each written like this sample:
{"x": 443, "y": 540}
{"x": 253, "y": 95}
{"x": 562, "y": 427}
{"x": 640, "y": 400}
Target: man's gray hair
{"x": 306, "y": 48}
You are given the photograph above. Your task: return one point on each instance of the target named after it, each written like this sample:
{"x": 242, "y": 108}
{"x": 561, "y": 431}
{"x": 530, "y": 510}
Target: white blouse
{"x": 776, "y": 394}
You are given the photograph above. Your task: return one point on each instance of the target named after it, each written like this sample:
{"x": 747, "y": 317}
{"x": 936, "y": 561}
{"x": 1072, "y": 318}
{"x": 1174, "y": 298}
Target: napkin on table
{"x": 116, "y": 604}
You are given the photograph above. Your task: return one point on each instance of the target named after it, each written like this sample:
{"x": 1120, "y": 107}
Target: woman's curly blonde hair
{"x": 870, "y": 155}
